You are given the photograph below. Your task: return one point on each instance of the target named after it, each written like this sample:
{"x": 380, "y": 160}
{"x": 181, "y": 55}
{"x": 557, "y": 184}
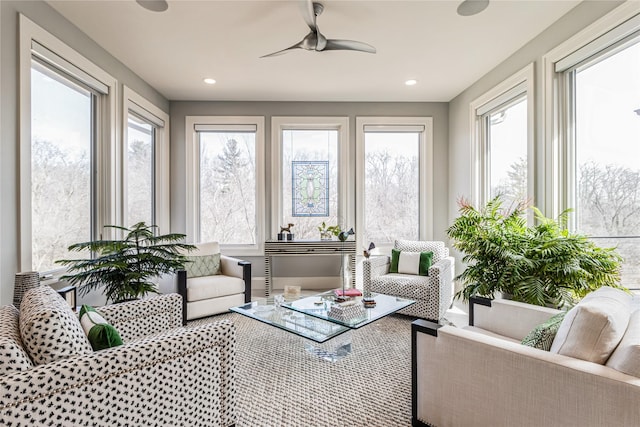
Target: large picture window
{"x": 67, "y": 149}
{"x": 602, "y": 111}
{"x": 309, "y": 183}
{"x": 227, "y": 187}
{"x": 394, "y": 179}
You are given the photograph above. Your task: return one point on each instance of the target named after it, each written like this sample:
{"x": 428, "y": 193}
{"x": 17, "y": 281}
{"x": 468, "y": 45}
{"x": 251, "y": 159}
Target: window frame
{"x": 67, "y": 60}
{"x": 425, "y": 165}
{"x": 517, "y": 85}
{"x": 193, "y": 179}
{"x": 143, "y": 108}
{"x": 281, "y": 123}
{"x": 560, "y": 153}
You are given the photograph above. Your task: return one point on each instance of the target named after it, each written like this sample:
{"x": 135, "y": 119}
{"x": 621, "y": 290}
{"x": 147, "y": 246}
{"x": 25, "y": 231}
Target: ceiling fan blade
{"x": 333, "y": 44}
{"x": 309, "y": 14}
{"x": 280, "y": 52}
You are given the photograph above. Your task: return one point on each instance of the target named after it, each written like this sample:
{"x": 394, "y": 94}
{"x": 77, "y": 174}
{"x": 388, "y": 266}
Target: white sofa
{"x": 482, "y": 376}
{"x": 163, "y": 374}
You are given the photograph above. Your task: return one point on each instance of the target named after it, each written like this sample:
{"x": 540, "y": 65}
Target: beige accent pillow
{"x": 626, "y": 357}
{"x": 592, "y": 329}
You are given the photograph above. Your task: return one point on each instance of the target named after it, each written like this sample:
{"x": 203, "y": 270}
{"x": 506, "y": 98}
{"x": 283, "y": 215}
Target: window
{"x": 62, "y": 147}
{"x": 309, "y": 180}
{"x": 66, "y": 137}
{"x": 600, "y": 84}
{"x": 503, "y": 151}
{"x": 226, "y": 191}
{"x": 394, "y": 168}
{"x": 146, "y": 168}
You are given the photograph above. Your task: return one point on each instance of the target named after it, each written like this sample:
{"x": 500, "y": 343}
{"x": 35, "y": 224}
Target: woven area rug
{"x": 281, "y": 384}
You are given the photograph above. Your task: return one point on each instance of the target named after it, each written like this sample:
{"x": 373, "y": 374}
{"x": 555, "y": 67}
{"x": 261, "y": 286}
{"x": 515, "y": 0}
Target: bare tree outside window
{"x": 392, "y": 186}
{"x": 61, "y": 121}
{"x": 227, "y": 187}
{"x": 140, "y": 171}
{"x": 608, "y": 155}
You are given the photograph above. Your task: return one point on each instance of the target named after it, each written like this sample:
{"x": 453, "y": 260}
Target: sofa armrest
{"x": 372, "y": 267}
{"x": 182, "y": 377}
{"x": 136, "y": 319}
{"x": 512, "y": 319}
{"x": 466, "y": 378}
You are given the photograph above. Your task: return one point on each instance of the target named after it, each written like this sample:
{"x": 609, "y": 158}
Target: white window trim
{"x": 341, "y": 124}
{"x": 558, "y": 154}
{"x": 522, "y": 82}
{"x": 193, "y": 178}
{"x": 107, "y": 189}
{"x": 135, "y": 103}
{"x": 425, "y": 166}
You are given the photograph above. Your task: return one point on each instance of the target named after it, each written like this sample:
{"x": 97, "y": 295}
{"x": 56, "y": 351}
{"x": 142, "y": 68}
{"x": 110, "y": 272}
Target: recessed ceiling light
{"x": 209, "y": 81}
{"x": 411, "y": 82}
{"x": 154, "y": 5}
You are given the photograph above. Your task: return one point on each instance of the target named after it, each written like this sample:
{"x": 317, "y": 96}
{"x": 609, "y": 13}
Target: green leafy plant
{"x": 543, "y": 264}
{"x": 333, "y": 229}
{"x": 123, "y": 268}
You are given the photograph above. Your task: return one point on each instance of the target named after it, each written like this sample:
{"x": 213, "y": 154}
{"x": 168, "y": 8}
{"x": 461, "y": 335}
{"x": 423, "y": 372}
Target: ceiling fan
{"x": 316, "y": 41}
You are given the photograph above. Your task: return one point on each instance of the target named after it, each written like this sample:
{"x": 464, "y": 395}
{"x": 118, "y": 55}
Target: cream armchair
{"x": 433, "y": 293}
{"x": 207, "y": 289}
{"x": 481, "y": 375}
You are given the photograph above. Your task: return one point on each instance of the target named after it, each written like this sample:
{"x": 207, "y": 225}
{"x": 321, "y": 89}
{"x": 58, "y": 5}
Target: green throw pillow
{"x": 542, "y": 336}
{"x": 421, "y": 267}
{"x": 202, "y": 265}
{"x": 100, "y": 333}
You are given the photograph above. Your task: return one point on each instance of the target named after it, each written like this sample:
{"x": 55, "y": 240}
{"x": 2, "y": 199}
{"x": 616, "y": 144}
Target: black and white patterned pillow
{"x": 49, "y": 329}
{"x": 13, "y": 356}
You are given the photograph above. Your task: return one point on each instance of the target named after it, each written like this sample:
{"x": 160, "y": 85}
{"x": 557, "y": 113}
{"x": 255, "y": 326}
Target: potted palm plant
{"x": 543, "y": 264}
{"x": 123, "y": 268}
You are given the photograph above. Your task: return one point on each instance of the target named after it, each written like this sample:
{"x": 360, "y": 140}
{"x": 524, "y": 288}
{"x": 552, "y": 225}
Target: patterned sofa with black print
{"x": 163, "y": 374}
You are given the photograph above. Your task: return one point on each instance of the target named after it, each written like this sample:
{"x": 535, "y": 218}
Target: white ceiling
{"x": 423, "y": 40}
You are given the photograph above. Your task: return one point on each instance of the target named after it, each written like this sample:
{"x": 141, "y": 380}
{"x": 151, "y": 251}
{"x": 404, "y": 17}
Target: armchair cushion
{"x": 592, "y": 329}
{"x": 438, "y": 248}
{"x": 405, "y": 262}
{"x": 49, "y": 328}
{"x": 202, "y": 265}
{"x": 199, "y": 288}
{"x": 402, "y": 285}
{"x": 13, "y": 357}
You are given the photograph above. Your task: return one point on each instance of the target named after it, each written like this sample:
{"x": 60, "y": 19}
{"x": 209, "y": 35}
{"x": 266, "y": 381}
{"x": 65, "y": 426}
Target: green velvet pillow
{"x": 202, "y": 265}
{"x": 542, "y": 336}
{"x": 417, "y": 263}
{"x": 100, "y": 333}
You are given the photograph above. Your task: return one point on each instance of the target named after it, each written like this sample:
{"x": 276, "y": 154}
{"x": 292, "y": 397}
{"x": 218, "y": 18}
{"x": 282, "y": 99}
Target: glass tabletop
{"x": 301, "y": 324}
{"x": 320, "y": 306}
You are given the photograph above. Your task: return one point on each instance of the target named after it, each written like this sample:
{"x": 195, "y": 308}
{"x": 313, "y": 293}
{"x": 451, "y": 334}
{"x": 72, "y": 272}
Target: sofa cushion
{"x": 49, "y": 328}
{"x": 592, "y": 329}
{"x": 541, "y": 337}
{"x": 100, "y": 333}
{"x": 405, "y": 262}
{"x": 437, "y": 248}
{"x": 626, "y": 357}
{"x": 402, "y": 285}
{"x": 200, "y": 288}
{"x": 13, "y": 356}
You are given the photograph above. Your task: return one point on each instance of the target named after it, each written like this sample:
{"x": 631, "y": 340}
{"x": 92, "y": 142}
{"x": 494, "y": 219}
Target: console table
{"x": 274, "y": 248}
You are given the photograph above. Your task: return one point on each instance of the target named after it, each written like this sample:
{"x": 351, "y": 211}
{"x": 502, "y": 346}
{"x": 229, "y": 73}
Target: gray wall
{"x": 459, "y": 133}
{"x": 179, "y": 110}
{"x": 43, "y": 15}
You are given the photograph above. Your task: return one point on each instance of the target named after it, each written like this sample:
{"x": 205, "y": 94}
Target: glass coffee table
{"x": 313, "y": 319}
